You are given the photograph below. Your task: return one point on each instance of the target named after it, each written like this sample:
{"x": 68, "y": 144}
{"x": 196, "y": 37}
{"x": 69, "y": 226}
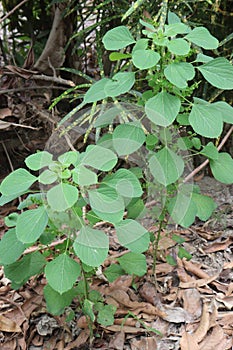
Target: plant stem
{"x": 156, "y": 242}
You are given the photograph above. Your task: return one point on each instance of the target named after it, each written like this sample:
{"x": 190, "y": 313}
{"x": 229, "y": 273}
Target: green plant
{"x": 165, "y": 60}
{"x": 68, "y": 184}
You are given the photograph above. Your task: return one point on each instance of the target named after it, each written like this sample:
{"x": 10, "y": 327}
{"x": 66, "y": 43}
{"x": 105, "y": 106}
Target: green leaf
{"x": 210, "y": 151}
{"x": 141, "y": 44}
{"x": 62, "y": 196}
{"x": 20, "y": 271}
{"x": 144, "y": 59}
{"x": 11, "y": 219}
{"x": 205, "y": 206}
{"x": 99, "y": 158}
{"x": 96, "y": 92}
{"x": 128, "y": 138}
{"x": 120, "y": 83}
{"x": 200, "y": 36}
{"x": 176, "y": 28}
{"x": 178, "y": 47}
{"x": 107, "y": 204}
{"x": 133, "y": 263}
{"x": 163, "y": 108}
{"x": 56, "y": 302}
{"x": 106, "y": 315}
{"x": 62, "y": 272}
{"x": 34, "y": 198}
{"x": 206, "y": 119}
{"x": 113, "y": 272}
{"x": 219, "y": 73}
{"x": 31, "y": 224}
{"x": 84, "y": 176}
{"x": 178, "y": 239}
{"x": 91, "y": 246}
{"x": 117, "y": 38}
{"x": 170, "y": 260}
{"x": 17, "y": 182}
{"x": 147, "y": 25}
{"x": 38, "y": 160}
{"x": 8, "y": 198}
{"x": 196, "y": 142}
{"x": 182, "y": 209}
{"x": 116, "y": 56}
{"x": 179, "y": 73}
{"x": 10, "y": 248}
{"x": 132, "y": 235}
{"x": 125, "y": 183}
{"x": 107, "y": 117}
{"x": 222, "y": 168}
{"x": 226, "y": 110}
{"x": 183, "y": 253}
{"x": 88, "y": 309}
{"x": 47, "y": 177}
{"x": 173, "y": 18}
{"x": 203, "y": 58}
{"x": 68, "y": 158}
{"x": 166, "y": 166}
{"x": 136, "y": 209}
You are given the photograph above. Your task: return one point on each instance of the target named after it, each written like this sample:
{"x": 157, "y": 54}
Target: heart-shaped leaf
{"x": 91, "y": 246}
{"x": 163, "y": 108}
{"x": 62, "y": 272}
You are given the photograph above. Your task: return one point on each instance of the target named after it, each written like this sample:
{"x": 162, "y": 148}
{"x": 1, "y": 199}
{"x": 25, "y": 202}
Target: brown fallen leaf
{"x": 4, "y": 112}
{"x": 125, "y": 329}
{"x": 117, "y": 341}
{"x": 198, "y": 283}
{"x": 192, "y": 302}
{"x": 146, "y": 343}
{"x": 188, "y": 342}
{"x": 203, "y": 327}
{"x": 8, "y": 325}
{"x": 79, "y": 341}
{"x": 227, "y": 301}
{"x": 216, "y": 340}
{"x": 228, "y": 265}
{"x": 123, "y": 298}
{"x": 217, "y": 246}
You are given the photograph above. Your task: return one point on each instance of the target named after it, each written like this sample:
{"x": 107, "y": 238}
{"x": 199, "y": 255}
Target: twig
{"x": 7, "y": 155}
{"x": 201, "y": 166}
{"x": 13, "y": 10}
{"x": 56, "y": 80}
{"x": 35, "y": 87}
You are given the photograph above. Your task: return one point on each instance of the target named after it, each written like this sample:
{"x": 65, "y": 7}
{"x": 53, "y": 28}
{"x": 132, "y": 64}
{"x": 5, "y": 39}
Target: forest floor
{"x": 191, "y": 306}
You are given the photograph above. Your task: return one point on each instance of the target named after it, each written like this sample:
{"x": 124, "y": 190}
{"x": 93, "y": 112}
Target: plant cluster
{"x": 80, "y": 189}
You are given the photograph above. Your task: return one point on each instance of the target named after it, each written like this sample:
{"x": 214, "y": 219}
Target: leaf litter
{"x": 190, "y": 307}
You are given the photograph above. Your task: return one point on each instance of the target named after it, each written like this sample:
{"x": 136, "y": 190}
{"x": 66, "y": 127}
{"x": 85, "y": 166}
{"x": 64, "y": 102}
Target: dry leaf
{"x": 203, "y": 327}
{"x": 146, "y": 343}
{"x": 117, "y": 341}
{"x": 198, "y": 283}
{"x": 188, "y": 342}
{"x": 192, "y": 302}
{"x": 125, "y": 329}
{"x": 217, "y": 246}
{"x": 216, "y": 340}
{"x": 5, "y": 112}
{"x": 8, "y": 325}
{"x": 79, "y": 341}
